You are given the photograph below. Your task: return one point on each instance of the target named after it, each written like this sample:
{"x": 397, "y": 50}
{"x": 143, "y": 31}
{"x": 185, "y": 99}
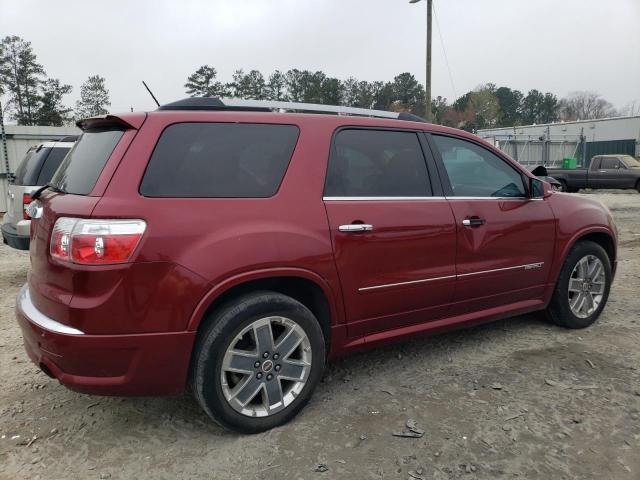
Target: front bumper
{"x": 11, "y": 237}
{"x": 122, "y": 365}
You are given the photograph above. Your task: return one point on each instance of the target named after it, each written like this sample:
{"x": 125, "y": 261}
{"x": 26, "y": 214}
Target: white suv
{"x": 35, "y": 170}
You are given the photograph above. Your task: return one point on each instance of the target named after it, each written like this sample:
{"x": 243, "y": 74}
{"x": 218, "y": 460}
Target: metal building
{"x": 19, "y": 139}
{"x": 548, "y": 144}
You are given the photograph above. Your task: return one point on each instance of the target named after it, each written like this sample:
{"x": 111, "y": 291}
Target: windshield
{"x": 631, "y": 162}
{"x": 81, "y": 168}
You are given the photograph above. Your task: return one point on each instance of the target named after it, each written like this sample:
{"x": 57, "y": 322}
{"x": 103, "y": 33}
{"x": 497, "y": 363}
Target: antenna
{"x": 151, "y": 93}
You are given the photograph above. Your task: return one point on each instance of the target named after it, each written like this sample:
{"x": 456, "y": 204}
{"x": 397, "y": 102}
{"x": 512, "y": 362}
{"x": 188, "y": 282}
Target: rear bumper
{"x": 122, "y": 365}
{"x": 11, "y": 237}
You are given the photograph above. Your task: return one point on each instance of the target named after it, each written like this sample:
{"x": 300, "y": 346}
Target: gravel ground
{"x": 518, "y": 398}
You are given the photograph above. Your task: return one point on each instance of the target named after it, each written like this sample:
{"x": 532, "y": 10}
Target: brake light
{"x": 95, "y": 242}
{"x": 26, "y": 200}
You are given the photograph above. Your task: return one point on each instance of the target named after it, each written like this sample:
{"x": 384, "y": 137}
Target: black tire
{"x": 563, "y": 185}
{"x": 221, "y": 328}
{"x": 558, "y": 310}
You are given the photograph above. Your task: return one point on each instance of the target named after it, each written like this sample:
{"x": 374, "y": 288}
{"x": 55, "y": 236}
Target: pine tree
{"x": 94, "y": 98}
{"x": 276, "y": 88}
{"x": 203, "y": 83}
{"x": 52, "y": 111}
{"x": 21, "y": 76}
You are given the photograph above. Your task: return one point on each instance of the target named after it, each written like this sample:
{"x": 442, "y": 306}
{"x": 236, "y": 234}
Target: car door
{"x": 505, "y": 240}
{"x": 394, "y": 241}
{"x": 612, "y": 173}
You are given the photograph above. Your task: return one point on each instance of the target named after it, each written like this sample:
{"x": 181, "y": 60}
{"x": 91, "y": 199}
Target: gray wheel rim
{"x": 266, "y": 366}
{"x": 586, "y": 286}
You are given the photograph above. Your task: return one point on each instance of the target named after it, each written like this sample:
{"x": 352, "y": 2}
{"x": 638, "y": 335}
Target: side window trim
{"x": 444, "y": 176}
{"x": 434, "y": 187}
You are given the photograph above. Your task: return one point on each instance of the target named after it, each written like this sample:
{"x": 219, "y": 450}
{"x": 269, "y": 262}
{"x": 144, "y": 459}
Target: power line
{"x": 446, "y": 59}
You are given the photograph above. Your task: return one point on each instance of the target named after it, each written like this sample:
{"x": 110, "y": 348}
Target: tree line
{"x": 485, "y": 106}
{"x": 35, "y": 99}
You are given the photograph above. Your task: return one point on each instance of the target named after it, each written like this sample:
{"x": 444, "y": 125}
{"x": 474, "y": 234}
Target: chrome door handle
{"x": 473, "y": 222}
{"x": 355, "y": 227}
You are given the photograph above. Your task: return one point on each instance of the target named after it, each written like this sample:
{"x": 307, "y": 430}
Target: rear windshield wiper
{"x": 53, "y": 187}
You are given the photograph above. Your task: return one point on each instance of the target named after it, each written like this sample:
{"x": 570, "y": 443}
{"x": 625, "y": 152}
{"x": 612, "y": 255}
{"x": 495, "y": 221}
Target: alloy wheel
{"x": 266, "y": 366}
{"x": 586, "y": 286}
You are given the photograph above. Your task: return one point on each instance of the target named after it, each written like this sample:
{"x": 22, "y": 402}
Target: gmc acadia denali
{"x": 234, "y": 246}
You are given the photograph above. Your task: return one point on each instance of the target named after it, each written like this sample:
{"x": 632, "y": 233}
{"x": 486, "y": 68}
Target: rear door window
{"x": 51, "y": 164}
{"x": 81, "y": 168}
{"x": 219, "y": 160}
{"x": 377, "y": 163}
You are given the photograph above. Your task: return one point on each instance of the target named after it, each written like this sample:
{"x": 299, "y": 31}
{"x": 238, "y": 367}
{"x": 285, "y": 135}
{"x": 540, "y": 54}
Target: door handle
{"x": 473, "y": 222}
{"x": 355, "y": 227}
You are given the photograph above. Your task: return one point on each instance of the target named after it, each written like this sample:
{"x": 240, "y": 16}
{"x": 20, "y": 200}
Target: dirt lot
{"x": 515, "y": 399}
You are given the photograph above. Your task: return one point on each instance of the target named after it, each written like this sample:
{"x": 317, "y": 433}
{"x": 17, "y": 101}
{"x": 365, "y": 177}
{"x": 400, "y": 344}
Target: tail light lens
{"x": 95, "y": 242}
{"x": 26, "y": 200}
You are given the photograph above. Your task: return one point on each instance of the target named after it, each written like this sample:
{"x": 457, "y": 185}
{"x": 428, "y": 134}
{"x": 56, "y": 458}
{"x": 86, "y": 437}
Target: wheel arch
{"x": 600, "y": 235}
{"x": 302, "y": 285}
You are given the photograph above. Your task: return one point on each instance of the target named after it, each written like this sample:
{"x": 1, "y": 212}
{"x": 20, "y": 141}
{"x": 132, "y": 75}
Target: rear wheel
{"x": 257, "y": 362}
{"x": 582, "y": 288}
{"x": 563, "y": 186}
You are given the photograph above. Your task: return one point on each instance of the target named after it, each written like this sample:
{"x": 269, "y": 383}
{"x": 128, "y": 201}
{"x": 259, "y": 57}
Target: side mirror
{"x": 538, "y": 188}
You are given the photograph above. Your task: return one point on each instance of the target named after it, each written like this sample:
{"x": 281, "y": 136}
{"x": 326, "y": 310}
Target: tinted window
{"x": 27, "y": 171}
{"x": 80, "y": 169}
{"x": 376, "y": 163}
{"x": 51, "y": 164}
{"x": 225, "y": 160}
{"x": 610, "y": 163}
{"x": 476, "y": 172}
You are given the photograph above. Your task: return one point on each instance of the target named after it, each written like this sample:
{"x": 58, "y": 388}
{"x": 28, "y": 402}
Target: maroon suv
{"x": 236, "y": 246}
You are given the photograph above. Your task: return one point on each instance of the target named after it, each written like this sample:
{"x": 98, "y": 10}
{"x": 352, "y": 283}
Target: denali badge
{"x": 531, "y": 266}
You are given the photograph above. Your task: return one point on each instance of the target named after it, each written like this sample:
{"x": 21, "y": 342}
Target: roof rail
{"x": 237, "y": 104}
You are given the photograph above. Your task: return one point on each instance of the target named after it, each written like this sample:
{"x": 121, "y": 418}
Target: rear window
{"x": 51, "y": 164}
{"x": 219, "y": 160}
{"x": 29, "y": 168}
{"x": 80, "y": 169}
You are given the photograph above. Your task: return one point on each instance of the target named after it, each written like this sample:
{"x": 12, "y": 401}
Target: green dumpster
{"x": 569, "y": 162}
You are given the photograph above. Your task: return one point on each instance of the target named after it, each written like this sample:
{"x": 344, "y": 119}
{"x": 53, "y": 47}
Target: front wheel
{"x": 257, "y": 362}
{"x": 582, "y": 288}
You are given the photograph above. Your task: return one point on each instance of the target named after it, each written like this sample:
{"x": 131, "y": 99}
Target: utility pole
{"x": 4, "y": 143}
{"x": 427, "y": 99}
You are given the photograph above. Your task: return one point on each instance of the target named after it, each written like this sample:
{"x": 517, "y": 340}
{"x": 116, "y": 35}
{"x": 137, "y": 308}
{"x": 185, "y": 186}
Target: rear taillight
{"x": 26, "y": 200}
{"x": 95, "y": 242}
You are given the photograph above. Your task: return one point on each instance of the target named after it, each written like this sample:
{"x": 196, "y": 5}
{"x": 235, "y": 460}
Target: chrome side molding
{"x": 528, "y": 266}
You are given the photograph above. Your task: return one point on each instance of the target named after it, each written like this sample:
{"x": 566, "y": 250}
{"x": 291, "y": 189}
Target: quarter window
{"x": 219, "y": 160}
{"x": 376, "y": 163}
{"x": 474, "y": 171}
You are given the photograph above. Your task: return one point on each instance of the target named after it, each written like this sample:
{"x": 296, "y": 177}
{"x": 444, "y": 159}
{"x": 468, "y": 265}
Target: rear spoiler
{"x": 126, "y": 120}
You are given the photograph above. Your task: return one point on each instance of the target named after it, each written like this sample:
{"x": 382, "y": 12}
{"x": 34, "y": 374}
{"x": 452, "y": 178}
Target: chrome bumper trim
{"x": 35, "y": 316}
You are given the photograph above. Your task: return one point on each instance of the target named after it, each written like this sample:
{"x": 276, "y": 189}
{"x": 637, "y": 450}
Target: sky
{"x": 551, "y": 45}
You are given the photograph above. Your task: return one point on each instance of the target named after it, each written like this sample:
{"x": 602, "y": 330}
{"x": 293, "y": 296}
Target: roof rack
{"x": 237, "y": 104}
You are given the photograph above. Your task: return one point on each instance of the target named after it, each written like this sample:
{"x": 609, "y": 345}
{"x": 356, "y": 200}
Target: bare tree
{"x": 585, "y": 105}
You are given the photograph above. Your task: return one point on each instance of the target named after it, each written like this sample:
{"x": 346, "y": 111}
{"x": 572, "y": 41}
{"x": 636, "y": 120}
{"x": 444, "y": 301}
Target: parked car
{"x": 35, "y": 170}
{"x": 235, "y": 249}
{"x": 605, "y": 171}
